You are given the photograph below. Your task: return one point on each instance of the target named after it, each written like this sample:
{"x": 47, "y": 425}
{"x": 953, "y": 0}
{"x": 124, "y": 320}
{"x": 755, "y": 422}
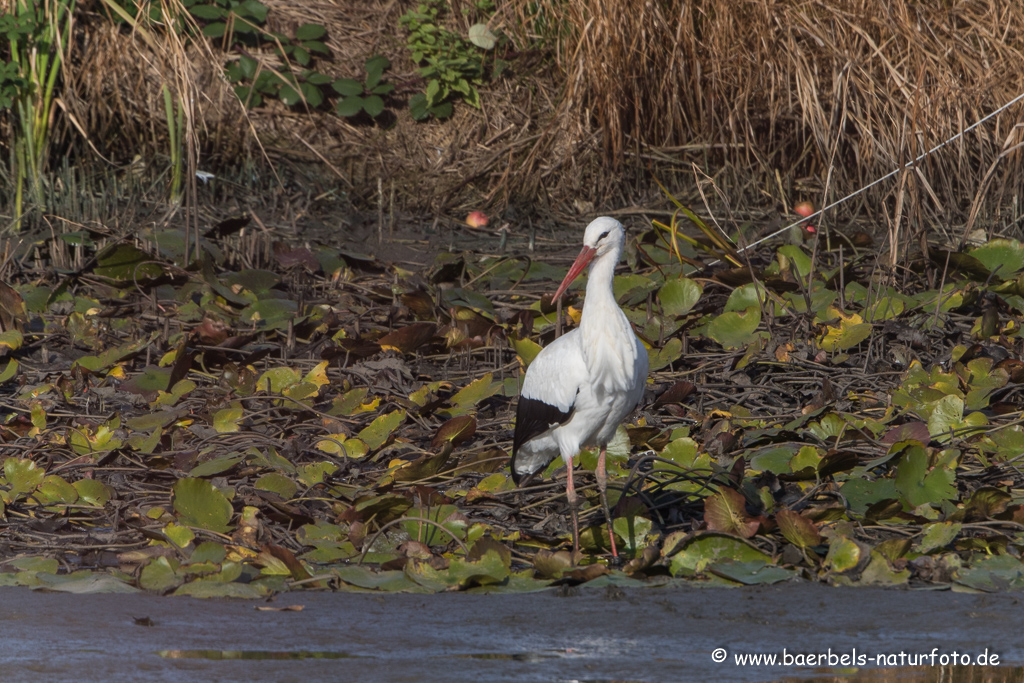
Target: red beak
{"x": 574, "y": 271}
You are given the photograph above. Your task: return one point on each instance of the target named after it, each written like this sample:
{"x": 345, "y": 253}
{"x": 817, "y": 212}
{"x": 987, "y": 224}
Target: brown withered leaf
{"x": 424, "y": 467}
{"x": 648, "y": 557}
{"x": 12, "y": 308}
{"x": 1014, "y": 368}
{"x": 228, "y": 226}
{"x": 911, "y": 431}
{"x": 485, "y": 544}
{"x": 291, "y": 258}
{"x": 677, "y": 393}
{"x": 456, "y": 431}
{"x": 420, "y": 303}
{"x": 797, "y": 529}
{"x": 552, "y": 565}
{"x": 584, "y": 574}
{"x": 211, "y": 332}
{"x": 286, "y": 556}
{"x": 824, "y": 396}
{"x": 726, "y": 510}
{"x": 409, "y": 338}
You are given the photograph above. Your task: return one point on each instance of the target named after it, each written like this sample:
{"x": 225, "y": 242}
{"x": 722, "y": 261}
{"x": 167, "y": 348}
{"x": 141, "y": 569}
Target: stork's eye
{"x": 603, "y": 235}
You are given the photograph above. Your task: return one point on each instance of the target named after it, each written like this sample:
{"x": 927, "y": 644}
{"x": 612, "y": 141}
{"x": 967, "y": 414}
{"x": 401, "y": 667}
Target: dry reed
{"x": 769, "y": 98}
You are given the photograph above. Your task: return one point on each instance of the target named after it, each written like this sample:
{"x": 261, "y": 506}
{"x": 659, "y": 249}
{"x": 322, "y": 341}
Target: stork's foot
{"x": 602, "y": 486}
{"x": 570, "y": 494}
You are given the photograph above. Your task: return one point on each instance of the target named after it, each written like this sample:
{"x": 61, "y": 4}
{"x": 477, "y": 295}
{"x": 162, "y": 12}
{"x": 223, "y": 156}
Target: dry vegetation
{"x": 775, "y": 101}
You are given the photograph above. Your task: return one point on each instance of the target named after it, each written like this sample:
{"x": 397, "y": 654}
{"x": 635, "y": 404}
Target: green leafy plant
{"x": 452, "y": 66}
{"x": 37, "y": 35}
{"x": 174, "y": 112}
{"x": 256, "y": 82}
{"x": 366, "y": 96}
{"x": 11, "y": 80}
{"x": 239, "y": 24}
{"x": 226, "y": 18}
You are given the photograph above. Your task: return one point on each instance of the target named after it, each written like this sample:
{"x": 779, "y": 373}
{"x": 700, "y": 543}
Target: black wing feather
{"x": 533, "y": 418}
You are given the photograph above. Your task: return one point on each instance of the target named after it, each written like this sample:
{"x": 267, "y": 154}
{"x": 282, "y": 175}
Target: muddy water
{"x": 652, "y": 635}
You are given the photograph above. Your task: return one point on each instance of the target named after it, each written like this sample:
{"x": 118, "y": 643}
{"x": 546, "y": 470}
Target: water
{"x": 651, "y": 636}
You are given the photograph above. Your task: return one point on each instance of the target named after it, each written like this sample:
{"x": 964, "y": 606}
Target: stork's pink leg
{"x": 602, "y": 486}
{"x": 570, "y": 493}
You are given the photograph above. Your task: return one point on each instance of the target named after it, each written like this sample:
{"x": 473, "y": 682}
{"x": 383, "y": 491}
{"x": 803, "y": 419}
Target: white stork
{"x": 581, "y": 386}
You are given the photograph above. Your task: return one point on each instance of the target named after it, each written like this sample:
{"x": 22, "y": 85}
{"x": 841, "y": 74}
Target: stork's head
{"x": 602, "y": 236}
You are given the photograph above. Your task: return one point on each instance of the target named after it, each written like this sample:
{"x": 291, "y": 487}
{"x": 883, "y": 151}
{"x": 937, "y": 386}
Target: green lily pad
{"x": 271, "y": 314}
{"x": 92, "y": 492}
{"x": 381, "y": 428}
{"x": 54, "y": 490}
{"x": 86, "y": 583}
{"x": 991, "y": 574}
{"x": 199, "y": 504}
{"x": 216, "y": 465}
{"x": 364, "y": 577}
{"x": 917, "y": 485}
{"x": 447, "y": 516}
{"x": 735, "y": 329}
{"x": 798, "y": 257}
{"x": 126, "y": 263}
{"x": 227, "y": 419}
{"x": 277, "y": 483}
{"x": 850, "y": 331}
{"x": 255, "y": 280}
{"x": 678, "y": 297}
{"x": 1001, "y": 256}
{"x": 937, "y": 536}
{"x": 23, "y": 476}
{"x": 947, "y": 418}
{"x": 220, "y": 589}
{"x": 843, "y": 554}
{"x": 159, "y": 575}
{"x": 860, "y": 494}
{"x": 669, "y": 353}
{"x": 316, "y": 472}
{"x": 879, "y": 572}
{"x": 751, "y": 573}
{"x": 708, "y": 548}
{"x": 633, "y": 531}
{"x": 526, "y": 349}
{"x": 468, "y": 398}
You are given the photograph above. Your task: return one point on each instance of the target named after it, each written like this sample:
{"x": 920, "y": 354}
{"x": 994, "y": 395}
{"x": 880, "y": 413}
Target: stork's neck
{"x": 600, "y": 301}
{"x": 608, "y": 343}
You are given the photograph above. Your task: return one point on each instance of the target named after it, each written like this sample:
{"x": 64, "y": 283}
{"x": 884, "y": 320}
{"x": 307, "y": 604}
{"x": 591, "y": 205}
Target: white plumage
{"x": 583, "y": 385}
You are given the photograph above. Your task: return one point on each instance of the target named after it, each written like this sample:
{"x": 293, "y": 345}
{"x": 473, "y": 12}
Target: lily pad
{"x": 919, "y": 486}
{"x": 199, "y": 504}
{"x": 797, "y": 529}
{"x": 850, "y": 331}
{"x": 679, "y": 296}
{"x": 735, "y": 329}
{"x": 725, "y": 511}
{"x": 708, "y": 548}
{"x": 381, "y": 428}
{"x": 751, "y": 573}
{"x": 1001, "y": 256}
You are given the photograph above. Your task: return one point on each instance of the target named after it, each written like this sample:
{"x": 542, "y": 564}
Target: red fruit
{"x": 477, "y": 219}
{"x": 804, "y": 209}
